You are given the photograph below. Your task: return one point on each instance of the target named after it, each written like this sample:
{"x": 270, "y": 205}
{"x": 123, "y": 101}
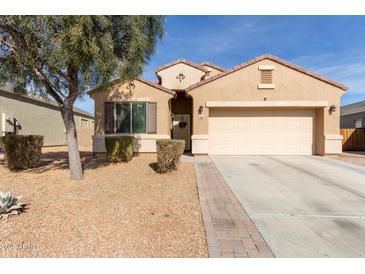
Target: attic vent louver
{"x": 266, "y": 76}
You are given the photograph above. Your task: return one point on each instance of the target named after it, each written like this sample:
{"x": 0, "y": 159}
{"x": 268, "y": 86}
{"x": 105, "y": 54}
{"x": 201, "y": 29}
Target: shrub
{"x": 168, "y": 154}
{"x": 22, "y": 151}
{"x": 119, "y": 148}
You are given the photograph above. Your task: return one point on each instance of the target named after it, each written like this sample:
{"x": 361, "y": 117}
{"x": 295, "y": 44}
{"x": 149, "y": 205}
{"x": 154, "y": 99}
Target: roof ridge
{"x": 206, "y": 63}
{"x": 153, "y": 84}
{"x": 355, "y": 103}
{"x": 147, "y": 82}
{"x": 37, "y": 98}
{"x": 273, "y": 58}
{"x": 177, "y": 61}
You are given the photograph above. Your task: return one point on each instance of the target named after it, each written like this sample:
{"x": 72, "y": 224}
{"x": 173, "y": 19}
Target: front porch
{"x": 181, "y": 115}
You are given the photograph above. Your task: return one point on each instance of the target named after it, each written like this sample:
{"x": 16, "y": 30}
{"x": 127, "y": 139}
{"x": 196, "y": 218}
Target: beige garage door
{"x": 261, "y": 132}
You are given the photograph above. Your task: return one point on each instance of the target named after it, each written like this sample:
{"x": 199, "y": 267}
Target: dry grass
{"x": 123, "y": 210}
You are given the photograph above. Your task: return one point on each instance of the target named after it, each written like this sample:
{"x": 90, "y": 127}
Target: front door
{"x": 181, "y": 129}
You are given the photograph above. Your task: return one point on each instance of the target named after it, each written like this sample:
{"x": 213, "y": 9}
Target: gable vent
{"x": 266, "y": 76}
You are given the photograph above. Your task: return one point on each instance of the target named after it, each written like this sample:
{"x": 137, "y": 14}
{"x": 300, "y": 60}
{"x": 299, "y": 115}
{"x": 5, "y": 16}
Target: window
{"x": 123, "y": 117}
{"x": 138, "y": 117}
{"x": 358, "y": 123}
{"x": 130, "y": 117}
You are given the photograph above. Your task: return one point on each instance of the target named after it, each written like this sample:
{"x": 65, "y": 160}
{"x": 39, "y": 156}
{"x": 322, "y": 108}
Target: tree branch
{"x": 49, "y": 86}
{"x": 17, "y": 36}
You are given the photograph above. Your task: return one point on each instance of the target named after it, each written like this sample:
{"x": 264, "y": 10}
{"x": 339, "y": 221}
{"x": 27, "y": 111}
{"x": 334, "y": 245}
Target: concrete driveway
{"x": 304, "y": 206}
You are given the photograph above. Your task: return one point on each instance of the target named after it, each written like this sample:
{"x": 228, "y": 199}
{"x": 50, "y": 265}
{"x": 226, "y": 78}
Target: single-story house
{"x": 30, "y": 114}
{"x": 266, "y": 106}
{"x": 353, "y": 115}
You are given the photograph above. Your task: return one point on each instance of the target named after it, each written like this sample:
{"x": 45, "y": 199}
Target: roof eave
{"x": 272, "y": 58}
{"x": 181, "y": 61}
{"x": 171, "y": 92}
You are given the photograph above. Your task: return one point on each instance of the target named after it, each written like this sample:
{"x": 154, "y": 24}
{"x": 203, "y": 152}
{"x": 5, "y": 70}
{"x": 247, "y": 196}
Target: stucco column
{"x": 199, "y": 140}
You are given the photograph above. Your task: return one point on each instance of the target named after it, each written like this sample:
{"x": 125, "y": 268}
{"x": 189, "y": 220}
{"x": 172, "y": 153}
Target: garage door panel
{"x": 250, "y": 132}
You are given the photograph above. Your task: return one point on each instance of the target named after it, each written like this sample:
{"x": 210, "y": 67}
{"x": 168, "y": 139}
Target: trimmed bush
{"x": 168, "y": 154}
{"x": 1, "y": 145}
{"x": 22, "y": 151}
{"x": 119, "y": 148}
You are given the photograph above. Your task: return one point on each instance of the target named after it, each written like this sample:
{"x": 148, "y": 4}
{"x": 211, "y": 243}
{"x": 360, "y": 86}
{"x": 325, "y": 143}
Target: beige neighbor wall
{"x": 169, "y": 80}
{"x": 290, "y": 85}
{"x": 37, "y": 118}
{"x": 141, "y": 92}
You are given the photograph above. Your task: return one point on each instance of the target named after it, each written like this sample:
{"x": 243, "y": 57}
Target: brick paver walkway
{"x": 230, "y": 231}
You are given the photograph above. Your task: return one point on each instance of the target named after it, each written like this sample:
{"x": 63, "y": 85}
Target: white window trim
{"x": 266, "y": 67}
{"x": 266, "y": 86}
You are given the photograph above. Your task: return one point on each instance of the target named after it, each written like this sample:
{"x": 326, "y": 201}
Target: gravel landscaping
{"x": 121, "y": 210}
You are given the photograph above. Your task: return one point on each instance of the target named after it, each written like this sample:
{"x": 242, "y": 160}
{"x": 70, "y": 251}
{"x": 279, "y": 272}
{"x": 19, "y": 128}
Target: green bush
{"x": 119, "y": 148}
{"x": 168, "y": 154}
{"x": 22, "y": 151}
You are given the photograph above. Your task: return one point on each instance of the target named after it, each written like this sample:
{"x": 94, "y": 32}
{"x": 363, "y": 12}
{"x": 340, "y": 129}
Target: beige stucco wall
{"x": 290, "y": 85}
{"x": 169, "y": 80}
{"x": 141, "y": 92}
{"x": 37, "y": 119}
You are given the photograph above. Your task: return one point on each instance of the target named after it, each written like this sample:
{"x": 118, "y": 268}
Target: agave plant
{"x": 10, "y": 205}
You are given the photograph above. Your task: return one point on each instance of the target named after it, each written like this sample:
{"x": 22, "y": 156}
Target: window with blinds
{"x": 266, "y": 76}
{"x": 130, "y": 117}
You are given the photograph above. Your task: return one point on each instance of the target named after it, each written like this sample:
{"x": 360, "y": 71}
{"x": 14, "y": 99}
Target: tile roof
{"x": 31, "y": 97}
{"x": 147, "y": 82}
{"x": 269, "y": 57}
{"x": 353, "y": 108}
{"x": 156, "y": 85}
{"x": 183, "y": 61}
{"x": 213, "y": 66}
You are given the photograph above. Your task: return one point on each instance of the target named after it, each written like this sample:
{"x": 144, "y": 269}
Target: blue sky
{"x": 333, "y": 46}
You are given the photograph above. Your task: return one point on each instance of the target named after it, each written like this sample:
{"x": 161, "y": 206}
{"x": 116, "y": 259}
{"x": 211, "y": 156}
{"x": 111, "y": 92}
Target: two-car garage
{"x": 245, "y": 131}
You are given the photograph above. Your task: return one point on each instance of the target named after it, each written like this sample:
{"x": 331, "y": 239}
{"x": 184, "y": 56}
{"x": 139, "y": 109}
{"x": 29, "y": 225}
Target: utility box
{"x": 7, "y": 123}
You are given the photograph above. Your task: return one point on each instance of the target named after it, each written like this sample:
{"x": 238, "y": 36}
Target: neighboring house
{"x": 266, "y": 106}
{"x": 353, "y": 115}
{"x": 28, "y": 114}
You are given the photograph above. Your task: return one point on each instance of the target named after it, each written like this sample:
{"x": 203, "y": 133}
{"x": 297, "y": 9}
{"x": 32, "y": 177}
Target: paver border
{"x": 229, "y": 230}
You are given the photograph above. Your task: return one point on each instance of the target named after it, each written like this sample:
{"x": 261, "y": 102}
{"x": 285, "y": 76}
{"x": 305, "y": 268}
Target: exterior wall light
{"x": 200, "y": 110}
{"x": 332, "y": 108}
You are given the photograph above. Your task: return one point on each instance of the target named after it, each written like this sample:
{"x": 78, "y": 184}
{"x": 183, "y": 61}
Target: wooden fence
{"x": 353, "y": 138}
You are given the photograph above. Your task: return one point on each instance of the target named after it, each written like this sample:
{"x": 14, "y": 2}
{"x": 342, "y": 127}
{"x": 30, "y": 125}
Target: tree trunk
{"x": 76, "y": 172}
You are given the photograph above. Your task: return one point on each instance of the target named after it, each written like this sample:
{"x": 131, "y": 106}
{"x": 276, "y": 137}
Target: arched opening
{"x": 181, "y": 110}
